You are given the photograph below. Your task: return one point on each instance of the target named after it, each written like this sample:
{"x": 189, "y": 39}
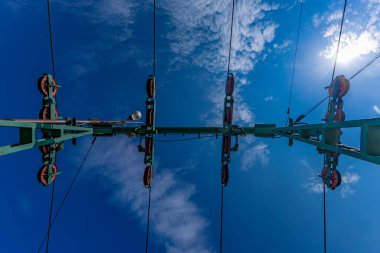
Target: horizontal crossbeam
{"x": 323, "y": 135}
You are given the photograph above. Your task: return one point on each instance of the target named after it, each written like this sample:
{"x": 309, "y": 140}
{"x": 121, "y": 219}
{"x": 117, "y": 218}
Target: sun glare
{"x": 354, "y": 46}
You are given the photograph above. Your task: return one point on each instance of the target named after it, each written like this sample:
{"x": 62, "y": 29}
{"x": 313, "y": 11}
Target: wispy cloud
{"x": 175, "y": 218}
{"x": 200, "y": 36}
{"x": 202, "y": 30}
{"x": 360, "y": 36}
{"x": 268, "y": 98}
{"x": 376, "y": 109}
{"x": 314, "y": 182}
{"x": 348, "y": 179}
{"x": 111, "y": 23}
{"x": 258, "y": 153}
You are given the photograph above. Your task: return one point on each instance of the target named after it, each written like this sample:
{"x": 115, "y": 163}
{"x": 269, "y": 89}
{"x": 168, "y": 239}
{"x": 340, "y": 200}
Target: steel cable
{"x": 67, "y": 193}
{"x": 295, "y": 58}
{"x": 51, "y": 39}
{"x": 221, "y": 221}
{"x": 333, "y": 74}
{"x": 366, "y": 66}
{"x": 148, "y": 219}
{"x": 230, "y": 49}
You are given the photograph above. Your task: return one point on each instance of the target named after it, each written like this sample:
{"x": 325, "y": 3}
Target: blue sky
{"x": 273, "y": 202}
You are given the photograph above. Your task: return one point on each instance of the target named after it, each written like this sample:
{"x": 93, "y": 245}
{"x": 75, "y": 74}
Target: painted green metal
{"x": 321, "y": 135}
{"x": 313, "y": 134}
{"x": 29, "y": 132}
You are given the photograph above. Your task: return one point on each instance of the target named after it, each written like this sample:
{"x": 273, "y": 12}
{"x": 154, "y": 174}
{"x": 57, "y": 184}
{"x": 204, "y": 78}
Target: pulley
{"x": 230, "y": 84}
{"x": 43, "y": 84}
{"x": 148, "y": 146}
{"x": 228, "y": 116}
{"x": 151, "y": 87}
{"x": 148, "y": 174}
{"x": 331, "y": 177}
{"x": 149, "y": 117}
{"x": 226, "y": 144}
{"x": 339, "y": 87}
{"x": 43, "y": 174}
{"x": 225, "y": 175}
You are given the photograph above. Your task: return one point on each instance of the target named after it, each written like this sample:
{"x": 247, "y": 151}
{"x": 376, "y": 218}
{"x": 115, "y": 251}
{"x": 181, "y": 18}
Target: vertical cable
{"x": 154, "y": 74}
{"x": 340, "y": 35}
{"x": 50, "y": 216}
{"x": 67, "y": 192}
{"x": 148, "y": 219}
{"x": 154, "y": 37}
{"x": 51, "y": 38}
{"x": 232, "y": 24}
{"x": 295, "y": 57}
{"x": 221, "y": 221}
{"x": 324, "y": 217}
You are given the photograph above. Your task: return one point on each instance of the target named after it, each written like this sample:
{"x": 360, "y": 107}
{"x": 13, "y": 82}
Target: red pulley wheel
{"x": 228, "y": 116}
{"x": 43, "y": 85}
{"x": 45, "y": 113}
{"x": 151, "y": 87}
{"x": 343, "y": 86}
{"x": 230, "y": 84}
{"x": 226, "y": 144}
{"x": 148, "y": 173}
{"x": 149, "y": 118}
{"x": 334, "y": 180}
{"x": 225, "y": 175}
{"x": 148, "y": 146}
{"x": 43, "y": 174}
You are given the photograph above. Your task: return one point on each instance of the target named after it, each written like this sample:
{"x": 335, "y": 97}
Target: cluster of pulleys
{"x": 150, "y": 129}
{"x": 227, "y": 124}
{"x": 48, "y": 88}
{"x": 337, "y": 90}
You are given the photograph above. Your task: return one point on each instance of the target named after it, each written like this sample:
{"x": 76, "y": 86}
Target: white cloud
{"x": 327, "y": 17}
{"x": 284, "y": 44}
{"x": 268, "y": 98}
{"x": 258, "y": 153}
{"x": 202, "y": 30}
{"x": 314, "y": 184}
{"x": 331, "y": 30}
{"x": 376, "y": 109}
{"x": 175, "y": 218}
{"x": 360, "y": 35}
{"x": 348, "y": 179}
{"x": 111, "y": 22}
{"x": 353, "y": 45}
{"x": 201, "y": 36}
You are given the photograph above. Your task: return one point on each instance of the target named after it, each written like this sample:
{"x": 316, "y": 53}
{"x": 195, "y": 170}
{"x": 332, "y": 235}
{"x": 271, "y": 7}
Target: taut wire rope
{"x": 295, "y": 59}
{"x": 67, "y": 192}
{"x": 54, "y": 76}
{"x": 228, "y": 72}
{"x": 335, "y": 61}
{"x": 154, "y": 74}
